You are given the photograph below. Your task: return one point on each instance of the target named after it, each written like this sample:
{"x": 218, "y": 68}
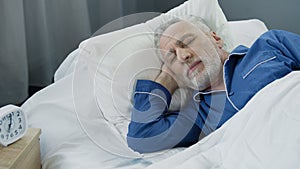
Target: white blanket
{"x": 60, "y": 111}
{"x": 263, "y": 135}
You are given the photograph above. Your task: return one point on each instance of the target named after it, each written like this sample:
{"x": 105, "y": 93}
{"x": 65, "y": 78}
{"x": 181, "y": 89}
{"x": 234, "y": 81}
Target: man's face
{"x": 192, "y": 55}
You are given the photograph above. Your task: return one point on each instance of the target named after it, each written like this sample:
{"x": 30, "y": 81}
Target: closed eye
{"x": 190, "y": 40}
{"x": 181, "y": 44}
{"x": 185, "y": 40}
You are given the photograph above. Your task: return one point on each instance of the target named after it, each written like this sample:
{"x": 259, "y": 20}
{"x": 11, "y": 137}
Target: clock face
{"x": 12, "y": 125}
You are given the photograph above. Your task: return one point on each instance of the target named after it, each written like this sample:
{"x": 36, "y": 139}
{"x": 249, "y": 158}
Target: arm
{"x": 153, "y": 127}
{"x": 287, "y": 43}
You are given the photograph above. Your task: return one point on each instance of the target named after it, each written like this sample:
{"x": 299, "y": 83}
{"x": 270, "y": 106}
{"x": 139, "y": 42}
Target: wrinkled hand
{"x": 168, "y": 79}
{"x": 179, "y": 82}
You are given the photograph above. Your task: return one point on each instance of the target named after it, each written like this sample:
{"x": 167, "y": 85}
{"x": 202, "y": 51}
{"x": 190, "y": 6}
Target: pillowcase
{"x": 121, "y": 57}
{"x": 245, "y": 32}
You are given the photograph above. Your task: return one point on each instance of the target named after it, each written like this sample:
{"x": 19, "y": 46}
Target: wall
{"x": 277, "y": 14}
{"x": 135, "y": 11}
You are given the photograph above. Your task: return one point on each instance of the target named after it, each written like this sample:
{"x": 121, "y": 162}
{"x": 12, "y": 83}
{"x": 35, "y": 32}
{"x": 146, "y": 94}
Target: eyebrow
{"x": 183, "y": 38}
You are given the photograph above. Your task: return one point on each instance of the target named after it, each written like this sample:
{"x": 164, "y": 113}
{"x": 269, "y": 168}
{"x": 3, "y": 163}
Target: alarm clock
{"x": 13, "y": 124}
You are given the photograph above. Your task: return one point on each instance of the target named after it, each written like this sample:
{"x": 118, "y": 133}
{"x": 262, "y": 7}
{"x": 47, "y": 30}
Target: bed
{"x": 84, "y": 114}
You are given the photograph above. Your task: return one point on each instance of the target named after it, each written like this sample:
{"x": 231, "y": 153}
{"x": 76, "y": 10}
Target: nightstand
{"x": 23, "y": 154}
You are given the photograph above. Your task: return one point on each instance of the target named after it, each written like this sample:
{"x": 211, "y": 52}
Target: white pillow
{"x": 245, "y": 32}
{"x": 122, "y": 56}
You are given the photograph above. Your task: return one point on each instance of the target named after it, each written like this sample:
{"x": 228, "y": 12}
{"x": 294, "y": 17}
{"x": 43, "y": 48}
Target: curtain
{"x": 13, "y": 57}
{"x": 37, "y": 35}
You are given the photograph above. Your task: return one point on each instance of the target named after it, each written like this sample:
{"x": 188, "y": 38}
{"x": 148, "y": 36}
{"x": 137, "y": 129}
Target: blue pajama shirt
{"x": 247, "y": 70}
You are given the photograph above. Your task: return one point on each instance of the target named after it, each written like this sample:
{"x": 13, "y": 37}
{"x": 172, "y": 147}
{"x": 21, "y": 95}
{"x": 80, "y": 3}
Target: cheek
{"x": 198, "y": 51}
{"x": 178, "y": 68}
{"x": 204, "y": 47}
{"x": 201, "y": 67}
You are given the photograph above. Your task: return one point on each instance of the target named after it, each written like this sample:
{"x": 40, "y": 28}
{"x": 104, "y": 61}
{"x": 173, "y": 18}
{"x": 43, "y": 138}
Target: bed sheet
{"x": 264, "y": 134}
{"x": 65, "y": 143}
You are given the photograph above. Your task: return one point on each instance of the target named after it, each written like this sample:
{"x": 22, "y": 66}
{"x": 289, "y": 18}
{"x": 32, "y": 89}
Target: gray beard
{"x": 210, "y": 75}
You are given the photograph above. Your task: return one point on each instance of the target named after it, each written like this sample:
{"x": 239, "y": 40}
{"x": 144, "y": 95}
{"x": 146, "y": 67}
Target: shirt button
{"x": 231, "y": 93}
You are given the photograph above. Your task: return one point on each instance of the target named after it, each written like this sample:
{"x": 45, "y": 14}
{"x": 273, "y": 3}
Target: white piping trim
{"x": 226, "y": 88}
{"x": 232, "y": 103}
{"x": 236, "y": 54}
{"x": 212, "y": 91}
{"x": 257, "y": 66}
{"x": 154, "y": 95}
{"x": 209, "y": 92}
{"x": 194, "y": 97}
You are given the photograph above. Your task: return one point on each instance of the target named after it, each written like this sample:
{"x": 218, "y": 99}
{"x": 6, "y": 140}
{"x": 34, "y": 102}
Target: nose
{"x": 183, "y": 54}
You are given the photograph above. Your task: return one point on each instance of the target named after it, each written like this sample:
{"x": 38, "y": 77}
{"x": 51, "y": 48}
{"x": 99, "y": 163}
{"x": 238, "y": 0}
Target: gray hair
{"x": 196, "y": 21}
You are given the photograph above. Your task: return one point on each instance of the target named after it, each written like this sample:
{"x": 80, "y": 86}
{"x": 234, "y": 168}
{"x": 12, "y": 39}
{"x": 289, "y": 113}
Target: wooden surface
{"x": 23, "y": 154}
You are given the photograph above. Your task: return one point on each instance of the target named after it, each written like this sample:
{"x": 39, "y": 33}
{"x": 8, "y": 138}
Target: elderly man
{"x": 224, "y": 82}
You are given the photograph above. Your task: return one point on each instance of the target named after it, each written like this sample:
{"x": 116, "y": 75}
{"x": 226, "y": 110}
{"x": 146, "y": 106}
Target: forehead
{"x": 178, "y": 29}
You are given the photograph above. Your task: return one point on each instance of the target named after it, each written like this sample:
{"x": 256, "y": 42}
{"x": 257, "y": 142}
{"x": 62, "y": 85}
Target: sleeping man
{"x": 223, "y": 83}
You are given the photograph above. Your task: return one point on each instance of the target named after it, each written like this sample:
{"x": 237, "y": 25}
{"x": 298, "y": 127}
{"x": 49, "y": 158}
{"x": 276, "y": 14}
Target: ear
{"x": 218, "y": 39}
